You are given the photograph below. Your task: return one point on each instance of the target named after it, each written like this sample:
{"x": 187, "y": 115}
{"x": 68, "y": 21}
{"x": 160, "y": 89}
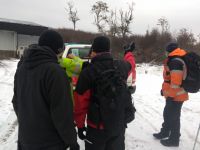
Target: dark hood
{"x": 102, "y": 57}
{"x": 36, "y": 55}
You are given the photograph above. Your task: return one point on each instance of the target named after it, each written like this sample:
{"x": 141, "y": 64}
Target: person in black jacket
{"x": 42, "y": 98}
{"x": 97, "y": 137}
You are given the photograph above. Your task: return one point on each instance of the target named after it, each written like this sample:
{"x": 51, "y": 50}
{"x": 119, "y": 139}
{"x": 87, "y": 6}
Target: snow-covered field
{"x": 148, "y": 120}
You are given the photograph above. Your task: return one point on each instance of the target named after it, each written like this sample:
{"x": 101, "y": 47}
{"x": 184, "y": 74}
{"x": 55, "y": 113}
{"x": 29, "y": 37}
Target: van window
{"x": 80, "y": 52}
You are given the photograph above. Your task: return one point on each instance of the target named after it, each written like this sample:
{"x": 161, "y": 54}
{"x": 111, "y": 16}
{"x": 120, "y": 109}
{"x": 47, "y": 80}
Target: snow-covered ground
{"x": 148, "y": 120}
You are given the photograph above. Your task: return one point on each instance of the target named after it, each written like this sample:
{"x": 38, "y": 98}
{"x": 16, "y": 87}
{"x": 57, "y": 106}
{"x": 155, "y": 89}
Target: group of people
{"x": 51, "y": 113}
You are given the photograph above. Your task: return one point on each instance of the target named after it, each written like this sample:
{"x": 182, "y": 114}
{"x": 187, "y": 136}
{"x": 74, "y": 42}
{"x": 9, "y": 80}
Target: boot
{"x": 161, "y": 135}
{"x": 170, "y": 142}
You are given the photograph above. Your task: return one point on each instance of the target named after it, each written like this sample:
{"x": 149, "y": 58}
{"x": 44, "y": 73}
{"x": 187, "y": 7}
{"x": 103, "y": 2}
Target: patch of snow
{"x": 148, "y": 102}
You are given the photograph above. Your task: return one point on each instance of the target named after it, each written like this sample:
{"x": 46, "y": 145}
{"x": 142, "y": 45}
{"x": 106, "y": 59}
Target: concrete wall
{"x": 8, "y": 40}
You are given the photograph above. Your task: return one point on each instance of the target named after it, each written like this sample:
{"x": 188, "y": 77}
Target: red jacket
{"x": 84, "y": 88}
{"x": 131, "y": 59}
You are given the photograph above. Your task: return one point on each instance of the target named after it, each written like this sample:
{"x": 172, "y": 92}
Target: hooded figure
{"x": 42, "y": 99}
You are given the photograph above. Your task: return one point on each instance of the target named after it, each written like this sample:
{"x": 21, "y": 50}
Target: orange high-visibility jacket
{"x": 173, "y": 74}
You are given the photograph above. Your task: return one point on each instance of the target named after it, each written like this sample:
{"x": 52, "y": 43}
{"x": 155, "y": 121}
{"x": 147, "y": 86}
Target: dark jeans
{"x": 98, "y": 140}
{"x": 37, "y": 147}
{"x": 171, "y": 115}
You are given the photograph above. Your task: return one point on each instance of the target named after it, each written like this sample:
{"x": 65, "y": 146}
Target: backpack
{"x": 191, "y": 83}
{"x": 110, "y": 100}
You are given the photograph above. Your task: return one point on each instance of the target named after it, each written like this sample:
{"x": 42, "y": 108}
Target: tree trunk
{"x": 74, "y": 23}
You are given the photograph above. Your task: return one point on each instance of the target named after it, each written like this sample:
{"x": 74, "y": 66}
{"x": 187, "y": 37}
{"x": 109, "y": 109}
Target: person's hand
{"x": 170, "y": 98}
{"x": 74, "y": 147}
{"x": 81, "y": 134}
{"x": 59, "y": 55}
{"x": 70, "y": 56}
{"x": 132, "y": 89}
{"x": 161, "y": 92}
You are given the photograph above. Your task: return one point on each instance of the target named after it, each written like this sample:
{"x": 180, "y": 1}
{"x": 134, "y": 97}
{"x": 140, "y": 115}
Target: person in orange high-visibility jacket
{"x": 174, "y": 73}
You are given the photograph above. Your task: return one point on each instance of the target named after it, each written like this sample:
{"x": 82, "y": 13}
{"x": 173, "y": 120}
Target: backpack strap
{"x": 184, "y": 67}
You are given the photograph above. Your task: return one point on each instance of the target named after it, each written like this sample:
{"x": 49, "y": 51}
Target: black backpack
{"x": 191, "y": 83}
{"x": 111, "y": 102}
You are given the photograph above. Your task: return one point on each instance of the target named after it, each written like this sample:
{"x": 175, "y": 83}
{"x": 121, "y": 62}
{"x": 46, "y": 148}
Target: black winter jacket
{"x": 85, "y": 87}
{"x": 42, "y": 100}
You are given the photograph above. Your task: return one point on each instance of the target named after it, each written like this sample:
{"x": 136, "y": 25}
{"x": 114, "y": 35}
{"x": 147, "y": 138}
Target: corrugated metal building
{"x": 16, "y": 35}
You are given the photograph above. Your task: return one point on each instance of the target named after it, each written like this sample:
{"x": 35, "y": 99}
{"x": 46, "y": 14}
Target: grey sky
{"x": 180, "y": 13}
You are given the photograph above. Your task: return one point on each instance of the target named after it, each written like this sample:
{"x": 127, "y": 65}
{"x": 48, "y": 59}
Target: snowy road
{"x": 8, "y": 122}
{"x": 148, "y": 120}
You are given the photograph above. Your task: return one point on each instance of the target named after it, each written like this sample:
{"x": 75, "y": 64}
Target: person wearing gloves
{"x": 128, "y": 56}
{"x": 87, "y": 107}
{"x": 42, "y": 99}
{"x": 175, "y": 95}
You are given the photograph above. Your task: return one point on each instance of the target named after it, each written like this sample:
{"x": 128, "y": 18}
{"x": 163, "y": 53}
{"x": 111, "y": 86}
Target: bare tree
{"x": 112, "y": 21}
{"x": 186, "y": 39}
{"x": 100, "y": 10}
{"x": 126, "y": 17}
{"x": 164, "y": 24}
{"x": 72, "y": 13}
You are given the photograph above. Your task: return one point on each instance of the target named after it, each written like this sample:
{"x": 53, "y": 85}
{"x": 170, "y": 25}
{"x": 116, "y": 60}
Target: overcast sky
{"x": 51, "y": 13}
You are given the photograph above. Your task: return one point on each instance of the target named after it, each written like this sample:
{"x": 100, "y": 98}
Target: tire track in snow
{"x": 147, "y": 121}
{"x": 190, "y": 136}
{"x": 6, "y": 83}
{"x": 8, "y": 132}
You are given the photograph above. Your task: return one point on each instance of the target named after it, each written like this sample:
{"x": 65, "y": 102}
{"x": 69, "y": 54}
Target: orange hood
{"x": 178, "y": 52}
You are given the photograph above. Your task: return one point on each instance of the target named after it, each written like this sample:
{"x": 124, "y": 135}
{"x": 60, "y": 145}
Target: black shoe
{"x": 161, "y": 135}
{"x": 170, "y": 142}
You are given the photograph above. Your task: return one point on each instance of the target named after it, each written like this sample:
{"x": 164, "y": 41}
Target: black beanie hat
{"x": 101, "y": 44}
{"x": 171, "y": 46}
{"x": 130, "y": 47}
{"x": 51, "y": 39}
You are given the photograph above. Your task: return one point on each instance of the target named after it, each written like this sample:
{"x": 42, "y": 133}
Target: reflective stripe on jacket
{"x": 173, "y": 74}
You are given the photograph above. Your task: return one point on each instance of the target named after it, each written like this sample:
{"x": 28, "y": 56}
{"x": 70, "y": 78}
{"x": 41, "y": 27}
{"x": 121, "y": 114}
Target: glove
{"x": 74, "y": 147}
{"x": 161, "y": 92}
{"x": 170, "y": 98}
{"x": 81, "y": 135}
{"x": 132, "y": 89}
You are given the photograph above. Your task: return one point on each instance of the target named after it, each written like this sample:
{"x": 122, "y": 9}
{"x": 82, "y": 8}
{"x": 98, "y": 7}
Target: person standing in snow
{"x": 128, "y": 56}
{"x": 73, "y": 66}
{"x": 173, "y": 74}
{"x": 87, "y": 101}
{"x": 42, "y": 99}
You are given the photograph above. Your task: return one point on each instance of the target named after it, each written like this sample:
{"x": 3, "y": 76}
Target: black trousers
{"x": 37, "y": 147}
{"x": 98, "y": 140}
{"x": 171, "y": 115}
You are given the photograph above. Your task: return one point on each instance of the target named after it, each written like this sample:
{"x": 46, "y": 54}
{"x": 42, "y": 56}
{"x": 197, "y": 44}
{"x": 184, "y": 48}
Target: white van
{"x": 79, "y": 50}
